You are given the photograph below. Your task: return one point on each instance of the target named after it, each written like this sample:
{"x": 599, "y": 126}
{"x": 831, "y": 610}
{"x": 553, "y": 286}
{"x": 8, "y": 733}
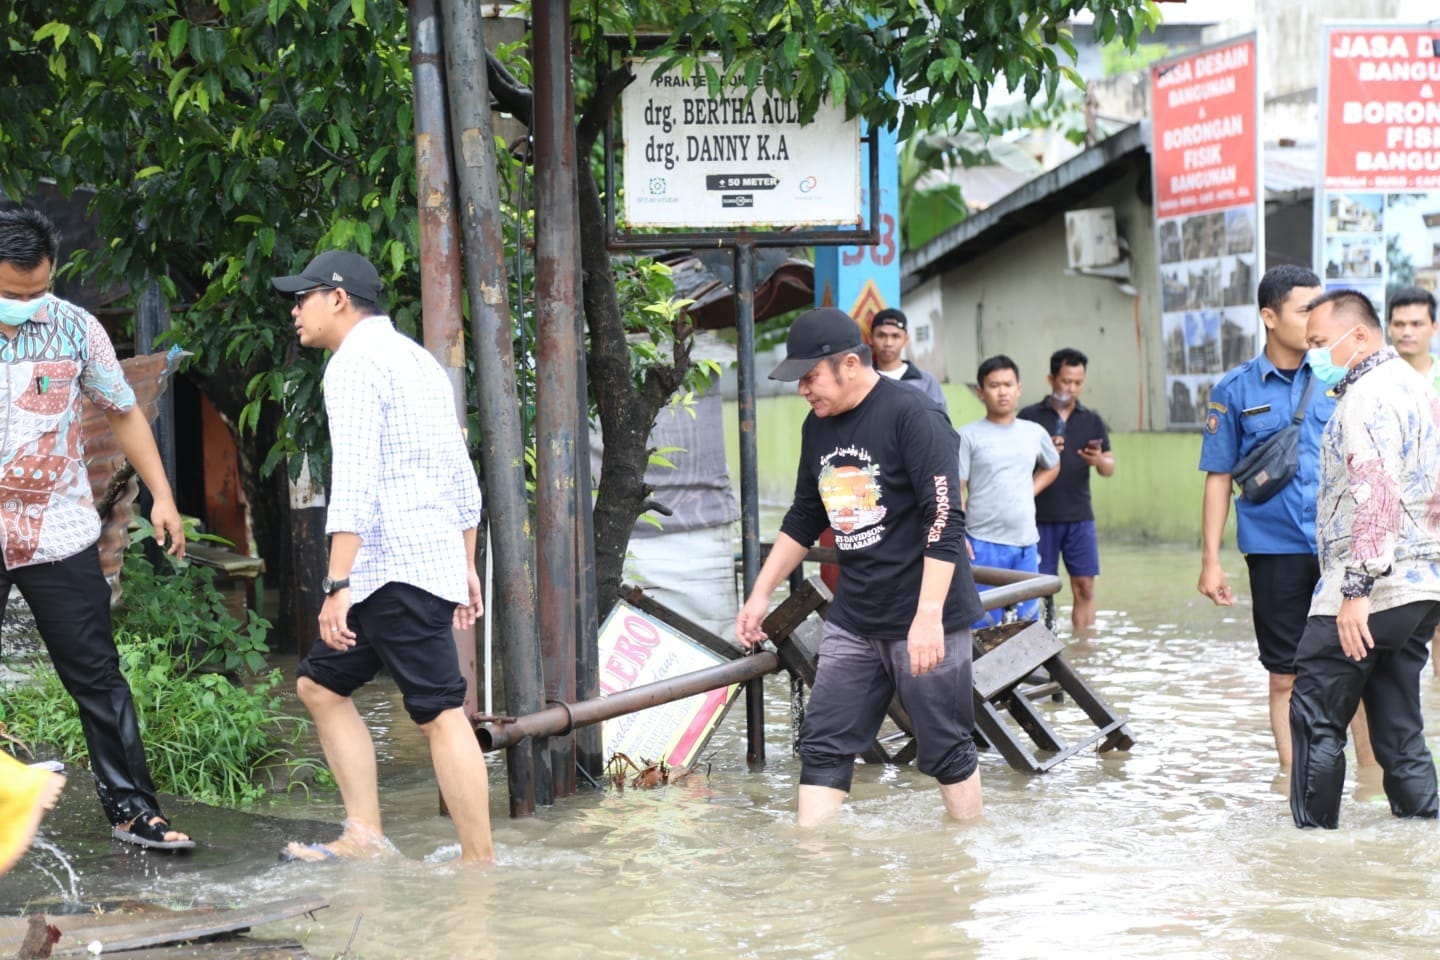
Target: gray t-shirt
{"x": 998, "y": 464}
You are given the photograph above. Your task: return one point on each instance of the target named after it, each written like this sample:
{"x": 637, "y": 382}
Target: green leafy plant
{"x": 210, "y": 714}
{"x": 201, "y": 627}
{"x": 206, "y": 736}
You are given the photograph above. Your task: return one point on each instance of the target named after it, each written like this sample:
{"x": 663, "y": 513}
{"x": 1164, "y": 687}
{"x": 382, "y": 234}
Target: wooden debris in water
{"x": 204, "y": 933}
{"x": 649, "y": 774}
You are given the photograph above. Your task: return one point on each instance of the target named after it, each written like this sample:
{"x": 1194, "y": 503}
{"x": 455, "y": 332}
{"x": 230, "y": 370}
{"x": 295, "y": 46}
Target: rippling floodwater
{"x": 1182, "y": 848}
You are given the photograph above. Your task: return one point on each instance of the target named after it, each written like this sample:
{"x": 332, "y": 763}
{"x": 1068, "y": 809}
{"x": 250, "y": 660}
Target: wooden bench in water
{"x": 1005, "y": 658}
{"x": 150, "y": 932}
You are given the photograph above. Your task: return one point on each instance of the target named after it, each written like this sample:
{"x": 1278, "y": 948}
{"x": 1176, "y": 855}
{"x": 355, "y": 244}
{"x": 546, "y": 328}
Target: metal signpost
{"x": 728, "y": 165}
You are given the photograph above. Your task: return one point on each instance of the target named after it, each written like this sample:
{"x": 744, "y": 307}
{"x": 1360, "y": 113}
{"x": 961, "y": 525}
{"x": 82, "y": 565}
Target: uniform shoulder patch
{"x": 1217, "y": 407}
{"x": 1212, "y": 422}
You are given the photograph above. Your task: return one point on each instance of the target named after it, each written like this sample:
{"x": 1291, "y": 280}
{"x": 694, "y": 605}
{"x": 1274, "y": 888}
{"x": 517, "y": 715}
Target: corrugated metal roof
{"x": 782, "y": 283}
{"x": 1290, "y": 173}
{"x": 1028, "y": 205}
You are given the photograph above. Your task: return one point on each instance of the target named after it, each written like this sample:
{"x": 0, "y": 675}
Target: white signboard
{"x": 636, "y": 649}
{"x": 691, "y": 161}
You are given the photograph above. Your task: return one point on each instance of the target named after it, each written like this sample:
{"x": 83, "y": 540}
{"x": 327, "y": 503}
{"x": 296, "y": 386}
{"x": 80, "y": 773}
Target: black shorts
{"x": 1281, "y": 585}
{"x": 409, "y": 632}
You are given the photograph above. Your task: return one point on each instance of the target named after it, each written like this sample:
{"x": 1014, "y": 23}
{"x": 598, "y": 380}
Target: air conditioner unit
{"x": 1090, "y": 238}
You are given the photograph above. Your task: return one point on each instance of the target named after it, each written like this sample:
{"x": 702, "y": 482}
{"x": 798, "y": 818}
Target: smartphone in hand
{"x": 1093, "y": 445}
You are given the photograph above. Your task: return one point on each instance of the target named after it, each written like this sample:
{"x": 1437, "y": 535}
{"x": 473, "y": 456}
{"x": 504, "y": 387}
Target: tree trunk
{"x": 627, "y": 415}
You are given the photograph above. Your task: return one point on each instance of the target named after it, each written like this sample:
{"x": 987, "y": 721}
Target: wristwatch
{"x": 332, "y": 586}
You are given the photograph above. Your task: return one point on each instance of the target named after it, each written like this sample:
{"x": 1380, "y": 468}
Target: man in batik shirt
{"x": 53, "y": 354}
{"x": 1378, "y": 600}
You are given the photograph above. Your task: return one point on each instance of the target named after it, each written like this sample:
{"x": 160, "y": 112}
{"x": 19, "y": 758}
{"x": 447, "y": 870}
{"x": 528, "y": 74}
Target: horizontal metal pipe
{"x": 1003, "y": 577}
{"x": 560, "y": 718}
{"x": 1032, "y": 586}
{"x": 984, "y": 576}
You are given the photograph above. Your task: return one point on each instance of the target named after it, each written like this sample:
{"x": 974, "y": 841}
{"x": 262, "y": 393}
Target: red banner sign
{"x": 1204, "y": 114}
{"x": 1382, "y": 109}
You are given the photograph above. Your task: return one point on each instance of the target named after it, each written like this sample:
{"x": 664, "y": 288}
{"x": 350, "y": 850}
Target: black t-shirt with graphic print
{"x": 884, "y": 475}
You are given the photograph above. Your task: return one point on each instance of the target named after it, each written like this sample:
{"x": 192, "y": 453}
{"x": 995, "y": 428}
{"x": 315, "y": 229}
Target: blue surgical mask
{"x": 1323, "y": 365}
{"x": 15, "y": 312}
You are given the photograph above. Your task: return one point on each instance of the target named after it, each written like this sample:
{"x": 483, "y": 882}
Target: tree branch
{"x": 597, "y": 111}
{"x": 513, "y": 96}
{"x": 299, "y": 119}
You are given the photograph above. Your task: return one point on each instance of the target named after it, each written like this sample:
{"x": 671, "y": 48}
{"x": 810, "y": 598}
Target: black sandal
{"x": 149, "y": 832}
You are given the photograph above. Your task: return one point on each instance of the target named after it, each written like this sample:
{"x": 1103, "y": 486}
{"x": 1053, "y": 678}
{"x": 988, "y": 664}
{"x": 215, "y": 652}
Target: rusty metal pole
{"x": 557, "y": 419}
{"x": 502, "y": 444}
{"x": 749, "y": 478}
{"x": 441, "y": 318}
{"x": 440, "y": 281}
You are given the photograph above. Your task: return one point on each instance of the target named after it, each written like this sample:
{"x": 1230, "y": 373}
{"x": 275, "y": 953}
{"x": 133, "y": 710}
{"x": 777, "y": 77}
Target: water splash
{"x": 72, "y": 895}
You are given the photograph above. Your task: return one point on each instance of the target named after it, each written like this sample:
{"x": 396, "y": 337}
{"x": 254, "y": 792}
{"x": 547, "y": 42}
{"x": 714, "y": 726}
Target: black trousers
{"x": 71, "y": 603}
{"x": 1329, "y": 685}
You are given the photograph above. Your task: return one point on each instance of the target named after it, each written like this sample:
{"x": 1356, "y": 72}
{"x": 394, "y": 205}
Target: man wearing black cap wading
{"x": 878, "y": 463}
{"x": 404, "y": 505}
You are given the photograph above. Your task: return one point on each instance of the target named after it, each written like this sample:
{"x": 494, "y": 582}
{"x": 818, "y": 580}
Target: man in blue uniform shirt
{"x": 1250, "y": 404}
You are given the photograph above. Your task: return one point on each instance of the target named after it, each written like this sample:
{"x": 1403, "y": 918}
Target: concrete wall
{"x": 1291, "y": 59}
{"x": 1018, "y": 300}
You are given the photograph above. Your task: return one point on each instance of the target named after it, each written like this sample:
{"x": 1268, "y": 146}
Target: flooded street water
{"x": 1181, "y": 848}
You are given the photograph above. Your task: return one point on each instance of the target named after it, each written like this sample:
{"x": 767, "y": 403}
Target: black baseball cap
{"x": 815, "y": 335}
{"x": 891, "y": 316}
{"x": 338, "y": 270}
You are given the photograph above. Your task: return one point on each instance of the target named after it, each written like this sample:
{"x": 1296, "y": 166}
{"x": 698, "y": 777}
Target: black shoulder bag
{"x": 1265, "y": 470}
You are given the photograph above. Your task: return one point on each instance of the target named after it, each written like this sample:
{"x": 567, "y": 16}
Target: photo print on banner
{"x": 1378, "y": 220}
{"x": 1208, "y": 219}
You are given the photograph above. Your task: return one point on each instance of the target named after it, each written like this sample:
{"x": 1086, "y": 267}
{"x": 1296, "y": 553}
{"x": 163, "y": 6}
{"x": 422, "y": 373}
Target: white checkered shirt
{"x": 400, "y": 475}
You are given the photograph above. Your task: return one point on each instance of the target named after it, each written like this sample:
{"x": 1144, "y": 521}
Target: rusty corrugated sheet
{"x": 149, "y": 376}
{"x": 782, "y": 283}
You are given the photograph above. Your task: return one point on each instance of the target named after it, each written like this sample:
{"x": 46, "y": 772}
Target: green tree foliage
{"x": 911, "y": 64}
{"x": 930, "y": 202}
{"x": 228, "y": 141}
{"x": 1117, "y": 58}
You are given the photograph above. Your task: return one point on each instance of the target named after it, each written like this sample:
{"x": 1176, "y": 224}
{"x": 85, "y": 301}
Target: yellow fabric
{"x": 25, "y": 794}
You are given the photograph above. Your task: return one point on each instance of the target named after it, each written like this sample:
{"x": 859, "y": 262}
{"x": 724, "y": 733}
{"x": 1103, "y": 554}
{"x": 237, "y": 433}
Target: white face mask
{"x": 15, "y": 312}
{"x": 1062, "y": 399}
